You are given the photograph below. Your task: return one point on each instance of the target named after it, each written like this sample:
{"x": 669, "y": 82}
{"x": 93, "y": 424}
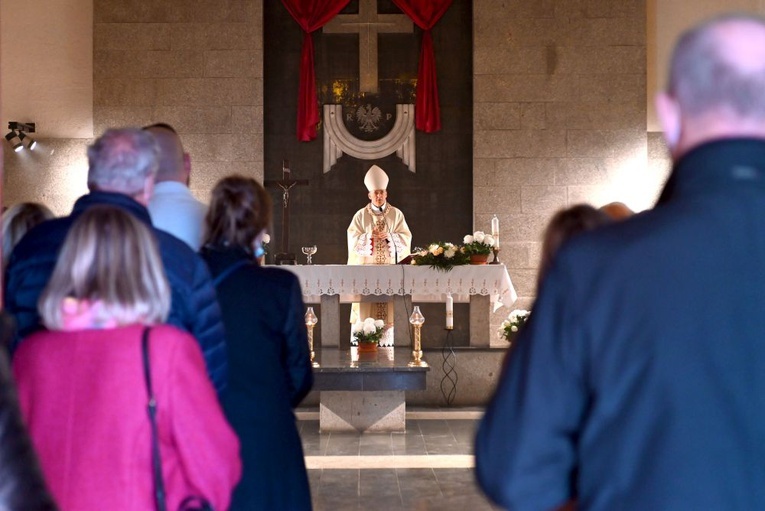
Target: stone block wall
{"x": 194, "y": 64}
{"x": 560, "y": 116}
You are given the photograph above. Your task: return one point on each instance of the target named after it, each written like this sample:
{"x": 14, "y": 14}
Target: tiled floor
{"x": 430, "y": 466}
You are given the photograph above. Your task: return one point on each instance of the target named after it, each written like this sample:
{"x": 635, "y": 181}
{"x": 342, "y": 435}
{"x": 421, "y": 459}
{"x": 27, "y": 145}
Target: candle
{"x": 449, "y": 312}
{"x": 495, "y": 226}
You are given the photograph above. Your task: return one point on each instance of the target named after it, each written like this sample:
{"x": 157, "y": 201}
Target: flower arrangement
{"x": 369, "y": 331}
{"x": 513, "y": 324}
{"x": 479, "y": 243}
{"x": 440, "y": 256}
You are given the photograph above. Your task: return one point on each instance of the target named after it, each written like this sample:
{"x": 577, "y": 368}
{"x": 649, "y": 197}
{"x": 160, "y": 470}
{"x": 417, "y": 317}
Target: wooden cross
{"x": 285, "y": 183}
{"x": 368, "y": 23}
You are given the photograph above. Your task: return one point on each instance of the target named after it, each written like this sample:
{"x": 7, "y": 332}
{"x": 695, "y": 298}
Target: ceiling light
{"x": 27, "y": 141}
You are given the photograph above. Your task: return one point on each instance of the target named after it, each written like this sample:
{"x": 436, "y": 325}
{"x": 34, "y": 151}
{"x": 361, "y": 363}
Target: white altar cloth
{"x": 422, "y": 283}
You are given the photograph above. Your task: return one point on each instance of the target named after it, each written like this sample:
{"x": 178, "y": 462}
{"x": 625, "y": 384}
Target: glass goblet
{"x": 309, "y": 251}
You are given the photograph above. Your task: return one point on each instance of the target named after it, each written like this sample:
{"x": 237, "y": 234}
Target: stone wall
{"x": 559, "y": 117}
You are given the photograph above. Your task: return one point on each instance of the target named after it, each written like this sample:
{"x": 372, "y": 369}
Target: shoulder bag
{"x": 190, "y": 503}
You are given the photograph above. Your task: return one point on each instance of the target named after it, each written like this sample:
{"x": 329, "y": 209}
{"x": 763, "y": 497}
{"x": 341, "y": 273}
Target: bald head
{"x": 717, "y": 83}
{"x": 173, "y": 161}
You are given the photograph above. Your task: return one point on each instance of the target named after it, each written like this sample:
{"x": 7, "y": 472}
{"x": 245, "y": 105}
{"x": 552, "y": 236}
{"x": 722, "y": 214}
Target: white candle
{"x": 449, "y": 312}
{"x": 495, "y": 226}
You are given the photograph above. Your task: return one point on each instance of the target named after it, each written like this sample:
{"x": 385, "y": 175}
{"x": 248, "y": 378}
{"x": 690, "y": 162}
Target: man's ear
{"x": 147, "y": 192}
{"x": 187, "y": 167}
{"x": 670, "y": 119}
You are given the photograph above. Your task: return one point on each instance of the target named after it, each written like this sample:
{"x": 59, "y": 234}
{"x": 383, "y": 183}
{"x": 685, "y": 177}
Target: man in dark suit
{"x": 122, "y": 164}
{"x": 639, "y": 380}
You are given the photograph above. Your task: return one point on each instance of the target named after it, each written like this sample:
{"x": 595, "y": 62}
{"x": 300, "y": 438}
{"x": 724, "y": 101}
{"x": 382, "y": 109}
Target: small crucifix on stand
{"x": 285, "y": 183}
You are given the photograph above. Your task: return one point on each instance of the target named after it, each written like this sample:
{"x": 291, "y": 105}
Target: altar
{"x": 485, "y": 287}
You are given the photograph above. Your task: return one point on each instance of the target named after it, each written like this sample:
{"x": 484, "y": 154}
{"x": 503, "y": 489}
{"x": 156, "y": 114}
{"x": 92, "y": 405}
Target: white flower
{"x": 467, "y": 239}
{"x": 357, "y": 327}
{"x": 379, "y": 323}
{"x": 433, "y": 249}
{"x": 266, "y": 238}
{"x": 478, "y": 236}
{"x": 488, "y": 240}
{"x": 450, "y": 252}
{"x": 369, "y": 326}
{"x": 513, "y": 328}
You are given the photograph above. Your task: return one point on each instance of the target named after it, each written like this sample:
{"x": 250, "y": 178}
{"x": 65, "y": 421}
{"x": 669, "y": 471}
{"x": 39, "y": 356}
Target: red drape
{"x": 426, "y": 13}
{"x": 311, "y": 15}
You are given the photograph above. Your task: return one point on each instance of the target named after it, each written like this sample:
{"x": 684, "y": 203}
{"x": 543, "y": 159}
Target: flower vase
{"x": 367, "y": 347}
{"x": 479, "y": 258}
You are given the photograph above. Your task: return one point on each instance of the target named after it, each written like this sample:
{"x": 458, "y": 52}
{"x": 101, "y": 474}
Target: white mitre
{"x": 376, "y": 179}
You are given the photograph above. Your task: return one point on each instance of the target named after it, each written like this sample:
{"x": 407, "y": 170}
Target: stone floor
{"x": 429, "y": 467}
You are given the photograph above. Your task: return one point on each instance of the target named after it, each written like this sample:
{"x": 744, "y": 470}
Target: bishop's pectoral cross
{"x": 285, "y": 183}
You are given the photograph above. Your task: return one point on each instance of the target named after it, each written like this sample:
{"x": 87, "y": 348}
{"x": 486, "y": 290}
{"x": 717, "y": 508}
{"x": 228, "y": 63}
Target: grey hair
{"x": 121, "y": 160}
{"x": 704, "y": 78}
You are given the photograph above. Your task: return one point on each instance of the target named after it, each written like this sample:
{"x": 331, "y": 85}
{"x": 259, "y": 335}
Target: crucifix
{"x": 368, "y": 23}
{"x": 285, "y": 184}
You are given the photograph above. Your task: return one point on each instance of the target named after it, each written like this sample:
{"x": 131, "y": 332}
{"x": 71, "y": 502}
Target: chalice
{"x": 309, "y": 251}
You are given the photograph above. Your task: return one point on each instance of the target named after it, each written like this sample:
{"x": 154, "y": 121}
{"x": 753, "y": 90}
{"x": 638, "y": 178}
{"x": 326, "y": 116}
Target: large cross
{"x": 285, "y": 183}
{"x": 367, "y": 23}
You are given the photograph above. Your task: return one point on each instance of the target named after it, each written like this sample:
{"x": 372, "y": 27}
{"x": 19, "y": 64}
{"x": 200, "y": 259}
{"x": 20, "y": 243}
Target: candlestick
{"x": 310, "y": 322}
{"x": 449, "y": 312}
{"x": 417, "y": 319}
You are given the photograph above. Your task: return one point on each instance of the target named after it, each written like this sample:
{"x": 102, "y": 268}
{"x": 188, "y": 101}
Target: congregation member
{"x": 121, "y": 168}
{"x": 269, "y": 360}
{"x": 17, "y": 220}
{"x": 638, "y": 381}
{"x": 85, "y": 384}
{"x": 172, "y": 206}
{"x": 22, "y": 485}
{"x": 378, "y": 234}
{"x": 564, "y": 225}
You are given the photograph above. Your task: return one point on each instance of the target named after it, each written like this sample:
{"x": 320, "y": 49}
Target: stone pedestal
{"x": 362, "y": 411}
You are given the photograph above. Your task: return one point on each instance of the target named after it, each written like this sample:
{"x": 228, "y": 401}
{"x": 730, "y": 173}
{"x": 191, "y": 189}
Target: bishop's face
{"x": 378, "y": 197}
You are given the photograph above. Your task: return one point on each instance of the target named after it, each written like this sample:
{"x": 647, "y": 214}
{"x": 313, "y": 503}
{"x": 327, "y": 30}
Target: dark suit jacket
{"x": 193, "y": 308}
{"x": 270, "y": 373}
{"x": 639, "y": 380}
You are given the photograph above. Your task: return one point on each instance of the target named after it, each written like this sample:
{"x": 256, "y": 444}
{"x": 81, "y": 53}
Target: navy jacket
{"x": 194, "y": 306}
{"x": 270, "y": 373}
{"x": 639, "y": 381}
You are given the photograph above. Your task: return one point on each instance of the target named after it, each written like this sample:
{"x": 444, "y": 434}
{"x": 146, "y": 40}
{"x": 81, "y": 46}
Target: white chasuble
{"x": 377, "y": 238}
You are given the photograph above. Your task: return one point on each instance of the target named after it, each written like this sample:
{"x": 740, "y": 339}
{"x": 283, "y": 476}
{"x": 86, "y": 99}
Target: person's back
{"x": 270, "y": 369}
{"x": 637, "y": 382}
{"x": 194, "y": 305}
{"x": 82, "y": 388}
{"x": 172, "y": 206}
{"x": 17, "y": 221}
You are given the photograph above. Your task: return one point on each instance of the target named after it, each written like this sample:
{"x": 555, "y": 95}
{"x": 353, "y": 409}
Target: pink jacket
{"x": 84, "y": 399}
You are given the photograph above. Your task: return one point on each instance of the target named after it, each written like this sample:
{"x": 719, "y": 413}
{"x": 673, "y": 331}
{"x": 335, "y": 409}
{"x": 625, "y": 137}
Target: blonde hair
{"x": 111, "y": 257}
{"x": 19, "y": 219}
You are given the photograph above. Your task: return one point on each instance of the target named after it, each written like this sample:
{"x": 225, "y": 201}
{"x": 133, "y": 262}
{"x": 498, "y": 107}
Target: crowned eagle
{"x": 368, "y": 118}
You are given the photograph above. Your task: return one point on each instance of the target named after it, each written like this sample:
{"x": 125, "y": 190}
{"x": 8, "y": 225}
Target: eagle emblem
{"x": 369, "y": 118}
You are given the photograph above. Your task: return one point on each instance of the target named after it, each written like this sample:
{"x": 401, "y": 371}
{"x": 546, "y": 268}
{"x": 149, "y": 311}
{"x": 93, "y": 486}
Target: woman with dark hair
{"x": 269, "y": 365}
{"x": 82, "y": 385}
{"x": 17, "y": 220}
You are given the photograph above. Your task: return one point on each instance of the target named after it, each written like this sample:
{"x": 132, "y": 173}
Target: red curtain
{"x": 425, "y": 14}
{"x": 311, "y": 15}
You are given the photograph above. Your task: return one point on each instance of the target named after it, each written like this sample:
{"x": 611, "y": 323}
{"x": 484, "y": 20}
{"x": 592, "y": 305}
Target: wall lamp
{"x": 18, "y": 137}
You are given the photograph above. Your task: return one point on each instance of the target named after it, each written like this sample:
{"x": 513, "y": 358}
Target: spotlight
{"x": 18, "y": 137}
{"x": 15, "y": 141}
{"x": 27, "y": 141}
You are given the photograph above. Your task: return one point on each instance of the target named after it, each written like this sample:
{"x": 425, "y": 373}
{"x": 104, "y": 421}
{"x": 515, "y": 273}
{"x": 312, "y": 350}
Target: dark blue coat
{"x": 639, "y": 381}
{"x": 270, "y": 373}
{"x": 194, "y": 306}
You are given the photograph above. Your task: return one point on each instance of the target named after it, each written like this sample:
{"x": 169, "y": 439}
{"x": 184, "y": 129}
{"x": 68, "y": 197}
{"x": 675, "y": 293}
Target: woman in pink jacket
{"x": 82, "y": 389}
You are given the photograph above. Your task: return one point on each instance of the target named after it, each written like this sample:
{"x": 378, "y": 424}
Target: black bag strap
{"x": 151, "y": 408}
{"x": 228, "y": 271}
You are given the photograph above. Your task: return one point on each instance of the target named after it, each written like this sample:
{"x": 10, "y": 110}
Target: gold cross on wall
{"x": 368, "y": 23}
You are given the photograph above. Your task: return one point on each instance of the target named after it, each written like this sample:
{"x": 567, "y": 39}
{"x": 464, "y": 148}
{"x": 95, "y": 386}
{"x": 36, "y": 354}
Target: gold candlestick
{"x": 310, "y": 322}
{"x": 417, "y": 320}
